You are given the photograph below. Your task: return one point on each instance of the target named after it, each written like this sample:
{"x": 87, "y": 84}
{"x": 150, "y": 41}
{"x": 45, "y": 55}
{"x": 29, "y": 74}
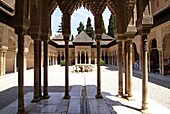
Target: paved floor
{"x": 83, "y": 91}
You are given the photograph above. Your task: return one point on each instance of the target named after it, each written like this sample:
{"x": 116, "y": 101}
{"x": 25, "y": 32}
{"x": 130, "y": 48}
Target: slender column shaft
{"x": 76, "y": 60}
{"x": 67, "y": 96}
{"x": 161, "y": 61}
{"x": 36, "y": 72}
{"x": 98, "y": 71}
{"x": 130, "y": 69}
{"x": 149, "y": 65}
{"x": 15, "y": 61}
{"x": 40, "y": 91}
{"x": 144, "y": 74}
{"x": 120, "y": 91}
{"x": 126, "y": 66}
{"x": 21, "y": 73}
{"x": 45, "y": 90}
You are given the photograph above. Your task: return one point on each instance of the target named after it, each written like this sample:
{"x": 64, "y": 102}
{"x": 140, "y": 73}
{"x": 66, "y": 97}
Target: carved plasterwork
{"x": 147, "y": 17}
{"x": 165, "y": 30}
{"x": 152, "y": 34}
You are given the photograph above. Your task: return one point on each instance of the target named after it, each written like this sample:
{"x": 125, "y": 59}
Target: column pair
{"x": 37, "y": 69}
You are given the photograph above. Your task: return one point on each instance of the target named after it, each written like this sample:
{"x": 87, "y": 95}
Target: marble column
{"x": 3, "y": 51}
{"x": 130, "y": 69}
{"x": 66, "y": 33}
{"x": 45, "y": 89}
{"x": 126, "y": 48}
{"x": 144, "y": 73}
{"x": 21, "y": 108}
{"x": 161, "y": 62}
{"x": 95, "y": 60}
{"x": 67, "y": 96}
{"x": 98, "y": 71}
{"x": 85, "y": 58}
{"x": 15, "y": 61}
{"x": 39, "y": 60}
{"x": 25, "y": 59}
{"x": 149, "y": 66}
{"x": 98, "y": 32}
{"x": 89, "y": 60}
{"x": 120, "y": 90}
{"x": 36, "y": 97}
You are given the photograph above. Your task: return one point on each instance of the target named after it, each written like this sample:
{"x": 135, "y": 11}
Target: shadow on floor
{"x": 10, "y": 95}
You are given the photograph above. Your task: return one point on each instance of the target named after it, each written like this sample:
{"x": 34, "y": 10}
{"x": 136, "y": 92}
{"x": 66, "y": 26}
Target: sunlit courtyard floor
{"x": 83, "y": 91}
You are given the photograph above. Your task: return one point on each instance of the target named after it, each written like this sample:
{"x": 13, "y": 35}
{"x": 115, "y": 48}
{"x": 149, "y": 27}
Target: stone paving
{"x": 83, "y": 91}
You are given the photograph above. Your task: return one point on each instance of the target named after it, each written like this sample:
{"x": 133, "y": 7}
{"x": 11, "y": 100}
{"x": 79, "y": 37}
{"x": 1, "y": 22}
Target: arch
{"x": 10, "y": 56}
{"x": 166, "y": 54}
{"x": 28, "y": 41}
{"x": 82, "y": 57}
{"x": 154, "y": 43}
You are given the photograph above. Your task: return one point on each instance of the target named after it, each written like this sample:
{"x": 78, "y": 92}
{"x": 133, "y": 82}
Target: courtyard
{"x": 83, "y": 91}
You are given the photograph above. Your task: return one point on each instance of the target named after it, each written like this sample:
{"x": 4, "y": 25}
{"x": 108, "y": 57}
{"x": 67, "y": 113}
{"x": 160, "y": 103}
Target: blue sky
{"x": 80, "y": 14}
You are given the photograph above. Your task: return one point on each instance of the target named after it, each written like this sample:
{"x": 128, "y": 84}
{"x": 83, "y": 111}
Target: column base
{"x": 67, "y": 97}
{"x": 99, "y": 96}
{"x": 36, "y": 100}
{"x": 46, "y": 97}
{"x": 120, "y": 95}
{"x": 130, "y": 98}
{"x": 21, "y": 111}
{"x": 145, "y": 111}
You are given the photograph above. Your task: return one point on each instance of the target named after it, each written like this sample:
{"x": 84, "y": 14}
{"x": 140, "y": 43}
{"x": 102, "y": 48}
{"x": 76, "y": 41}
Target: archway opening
{"x": 154, "y": 60}
{"x": 166, "y": 48}
{"x": 78, "y": 57}
{"x": 82, "y": 57}
{"x": 154, "y": 57}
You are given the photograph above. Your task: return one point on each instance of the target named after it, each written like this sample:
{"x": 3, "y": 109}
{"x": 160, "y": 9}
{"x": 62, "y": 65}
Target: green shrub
{"x": 101, "y": 62}
{"x": 63, "y": 63}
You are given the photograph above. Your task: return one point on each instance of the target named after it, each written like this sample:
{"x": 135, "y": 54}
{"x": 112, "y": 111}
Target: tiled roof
{"x": 82, "y": 38}
{"x": 106, "y": 37}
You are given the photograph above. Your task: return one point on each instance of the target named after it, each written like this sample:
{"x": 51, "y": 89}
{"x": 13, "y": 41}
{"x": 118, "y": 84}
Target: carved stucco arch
{"x": 164, "y": 40}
